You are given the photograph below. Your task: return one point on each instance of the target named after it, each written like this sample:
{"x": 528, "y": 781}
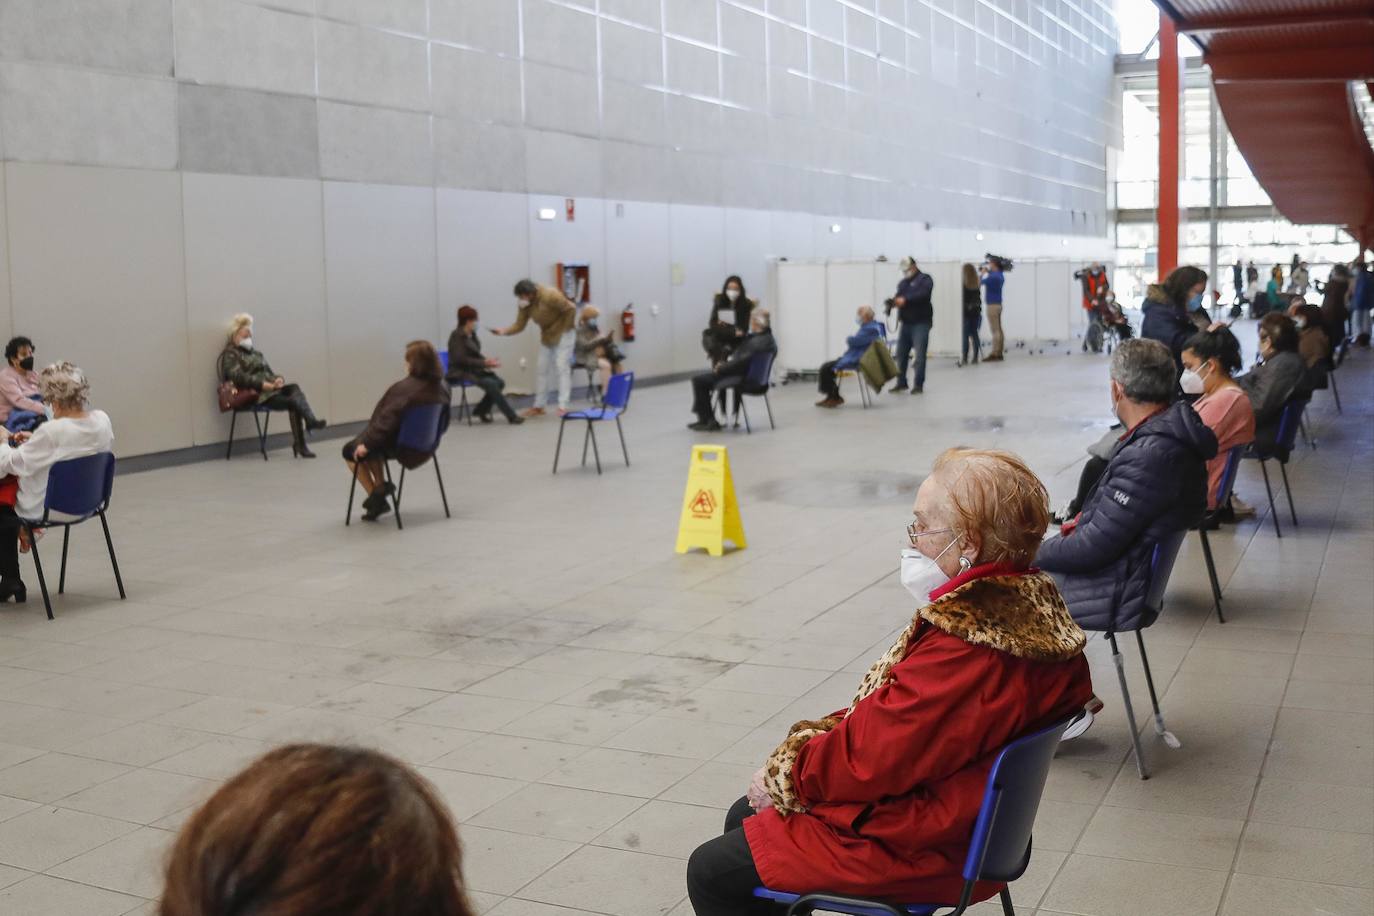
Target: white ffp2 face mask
{"x": 732, "y": 294}
{"x": 922, "y": 575}
{"x": 246, "y": 343}
{"x": 1190, "y": 382}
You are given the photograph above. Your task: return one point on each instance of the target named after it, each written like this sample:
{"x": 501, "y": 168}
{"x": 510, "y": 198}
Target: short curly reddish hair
{"x": 995, "y": 498}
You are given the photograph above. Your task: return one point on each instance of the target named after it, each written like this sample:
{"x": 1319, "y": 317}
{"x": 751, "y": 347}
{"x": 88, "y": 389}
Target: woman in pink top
{"x": 18, "y": 381}
{"x": 1209, "y": 358}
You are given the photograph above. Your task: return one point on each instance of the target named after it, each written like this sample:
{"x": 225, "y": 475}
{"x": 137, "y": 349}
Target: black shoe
{"x": 301, "y": 450}
{"x": 515, "y": 419}
{"x": 316, "y": 423}
{"x": 919, "y": 389}
{"x": 13, "y": 588}
{"x": 376, "y": 512}
{"x": 484, "y": 417}
{"x": 899, "y": 389}
{"x": 705, "y": 426}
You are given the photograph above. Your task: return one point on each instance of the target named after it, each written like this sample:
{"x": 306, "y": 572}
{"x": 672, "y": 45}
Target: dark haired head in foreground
{"x": 314, "y": 830}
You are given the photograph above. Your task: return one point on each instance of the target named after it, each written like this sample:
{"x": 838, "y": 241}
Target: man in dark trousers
{"x": 758, "y": 340}
{"x": 914, "y": 309}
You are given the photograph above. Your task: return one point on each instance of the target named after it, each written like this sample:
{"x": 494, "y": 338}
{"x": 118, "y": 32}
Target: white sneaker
{"x": 1084, "y": 722}
{"x": 1240, "y": 509}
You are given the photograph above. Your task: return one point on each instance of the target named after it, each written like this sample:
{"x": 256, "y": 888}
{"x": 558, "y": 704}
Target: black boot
{"x": 13, "y": 588}
{"x": 311, "y": 421}
{"x": 298, "y": 447}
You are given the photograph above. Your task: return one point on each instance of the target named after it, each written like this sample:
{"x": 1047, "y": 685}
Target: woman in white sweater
{"x": 72, "y": 431}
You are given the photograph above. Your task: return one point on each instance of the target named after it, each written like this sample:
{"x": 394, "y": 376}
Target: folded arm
{"x": 1127, "y": 504}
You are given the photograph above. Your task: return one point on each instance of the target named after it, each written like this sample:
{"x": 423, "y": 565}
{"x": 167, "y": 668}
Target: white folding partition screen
{"x": 1052, "y": 300}
{"x": 799, "y": 314}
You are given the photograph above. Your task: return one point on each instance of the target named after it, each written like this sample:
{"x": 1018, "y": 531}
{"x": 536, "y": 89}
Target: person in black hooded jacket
{"x": 1155, "y": 483}
{"x": 1173, "y": 310}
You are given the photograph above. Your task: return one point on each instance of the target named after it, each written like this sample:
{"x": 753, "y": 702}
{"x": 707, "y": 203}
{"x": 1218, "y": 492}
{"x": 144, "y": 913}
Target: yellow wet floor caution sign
{"x": 710, "y": 514}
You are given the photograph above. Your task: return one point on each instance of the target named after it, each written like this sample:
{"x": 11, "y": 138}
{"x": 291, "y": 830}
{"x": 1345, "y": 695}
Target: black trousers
{"x": 492, "y": 397}
{"x": 1092, "y": 472}
{"x": 9, "y": 543}
{"x": 721, "y": 876}
{"x": 828, "y": 384}
{"x": 702, "y": 385}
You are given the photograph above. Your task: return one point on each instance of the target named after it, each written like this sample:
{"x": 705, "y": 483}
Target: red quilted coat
{"x": 890, "y": 791}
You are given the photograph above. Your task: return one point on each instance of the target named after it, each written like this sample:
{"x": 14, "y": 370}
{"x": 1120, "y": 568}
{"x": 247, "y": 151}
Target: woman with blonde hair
{"x": 72, "y": 431}
{"x": 423, "y": 384}
{"x": 879, "y": 799}
{"x": 247, "y": 368}
{"x": 973, "y": 315}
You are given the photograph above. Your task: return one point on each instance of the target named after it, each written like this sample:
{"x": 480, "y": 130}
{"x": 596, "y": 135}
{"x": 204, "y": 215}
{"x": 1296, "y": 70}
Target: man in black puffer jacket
{"x": 1155, "y": 484}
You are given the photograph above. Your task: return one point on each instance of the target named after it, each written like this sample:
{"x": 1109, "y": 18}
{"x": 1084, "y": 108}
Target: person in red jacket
{"x": 880, "y": 799}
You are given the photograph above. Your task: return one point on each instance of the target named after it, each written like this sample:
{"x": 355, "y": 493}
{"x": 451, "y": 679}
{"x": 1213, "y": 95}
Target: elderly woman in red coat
{"x": 880, "y": 799}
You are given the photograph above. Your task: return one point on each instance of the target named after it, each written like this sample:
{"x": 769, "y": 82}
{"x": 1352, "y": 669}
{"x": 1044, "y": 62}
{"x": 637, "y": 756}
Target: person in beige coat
{"x": 555, "y": 315}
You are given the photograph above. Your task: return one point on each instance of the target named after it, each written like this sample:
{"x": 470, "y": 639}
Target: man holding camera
{"x": 912, "y": 303}
{"x": 993, "y": 278}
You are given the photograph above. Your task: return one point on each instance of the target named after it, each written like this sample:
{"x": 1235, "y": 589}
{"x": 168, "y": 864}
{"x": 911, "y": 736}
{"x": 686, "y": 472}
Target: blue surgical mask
{"x": 1195, "y": 302}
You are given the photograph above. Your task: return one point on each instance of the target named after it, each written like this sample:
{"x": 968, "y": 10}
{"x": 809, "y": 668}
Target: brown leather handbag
{"x": 232, "y": 397}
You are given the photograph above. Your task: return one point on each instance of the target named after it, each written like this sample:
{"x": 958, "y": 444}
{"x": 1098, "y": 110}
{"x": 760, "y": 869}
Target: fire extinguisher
{"x": 627, "y": 323}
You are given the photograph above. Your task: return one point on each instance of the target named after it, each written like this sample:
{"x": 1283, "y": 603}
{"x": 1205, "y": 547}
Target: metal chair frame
{"x": 255, "y": 410}
{"x": 865, "y": 398}
{"x": 760, "y": 364}
{"x": 1280, "y": 451}
{"x": 613, "y": 406}
{"x": 1228, "y": 483}
{"x": 31, "y": 526}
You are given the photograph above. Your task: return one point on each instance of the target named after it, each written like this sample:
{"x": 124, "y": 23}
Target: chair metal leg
{"x": 1288, "y": 491}
{"x": 1306, "y": 433}
{"x": 348, "y": 514}
{"x": 740, "y": 405}
{"x": 1273, "y": 512}
{"x": 1007, "y": 908}
{"x": 769, "y": 407}
{"x": 38, "y": 565}
{"x": 1160, "y": 730}
{"x": 591, "y": 431}
{"x": 586, "y": 441}
{"x": 109, "y": 545}
{"x": 233, "y": 421}
{"x": 262, "y": 433}
{"x": 623, "y": 450}
{"x": 1130, "y": 713}
{"x": 559, "y": 447}
{"x": 442, "y": 495}
{"x": 1335, "y": 392}
{"x": 464, "y": 408}
{"x": 395, "y": 500}
{"x": 1211, "y": 573}
{"x": 62, "y": 575}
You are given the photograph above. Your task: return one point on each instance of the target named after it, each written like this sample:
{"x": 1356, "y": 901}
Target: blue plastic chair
{"x": 756, "y": 381}
{"x": 613, "y": 406}
{"x": 78, "y": 489}
{"x": 1000, "y": 848}
{"x": 1280, "y": 450}
{"x": 1209, "y": 521}
{"x": 464, "y": 408}
{"x": 421, "y": 429}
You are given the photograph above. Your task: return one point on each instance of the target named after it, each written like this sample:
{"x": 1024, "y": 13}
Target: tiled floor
{"x": 589, "y": 702}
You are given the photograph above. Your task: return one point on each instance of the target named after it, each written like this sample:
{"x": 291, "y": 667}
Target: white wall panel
{"x": 6, "y": 316}
{"x": 637, "y": 253}
{"x": 699, "y": 247}
{"x": 97, "y": 275}
{"x": 255, "y": 245}
{"x": 1054, "y": 286}
{"x": 948, "y": 302}
{"x": 1018, "y": 302}
{"x": 380, "y": 287}
{"x": 483, "y": 251}
{"x": 799, "y": 314}
{"x": 748, "y": 245}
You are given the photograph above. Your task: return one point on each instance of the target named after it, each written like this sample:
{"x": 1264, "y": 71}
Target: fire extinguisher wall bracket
{"x": 627, "y": 323}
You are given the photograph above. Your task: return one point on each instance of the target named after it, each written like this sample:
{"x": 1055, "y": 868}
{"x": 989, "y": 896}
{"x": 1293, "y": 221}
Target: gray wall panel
{"x": 238, "y": 44}
{"x": 244, "y": 132}
{"x": 133, "y": 36}
{"x": 361, "y": 143}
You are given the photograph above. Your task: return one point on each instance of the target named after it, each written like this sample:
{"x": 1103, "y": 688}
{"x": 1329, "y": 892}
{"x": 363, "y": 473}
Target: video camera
{"x": 1003, "y": 264}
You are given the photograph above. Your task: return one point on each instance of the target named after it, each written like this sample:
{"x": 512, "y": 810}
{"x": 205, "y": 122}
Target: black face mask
{"x": 26, "y": 364}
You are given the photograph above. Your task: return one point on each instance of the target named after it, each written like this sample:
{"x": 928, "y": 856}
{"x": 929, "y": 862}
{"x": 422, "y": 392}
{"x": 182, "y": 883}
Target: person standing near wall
{"x": 912, "y": 302}
{"x": 555, "y": 315}
{"x": 973, "y": 316}
{"x": 1238, "y": 281}
{"x": 993, "y": 278}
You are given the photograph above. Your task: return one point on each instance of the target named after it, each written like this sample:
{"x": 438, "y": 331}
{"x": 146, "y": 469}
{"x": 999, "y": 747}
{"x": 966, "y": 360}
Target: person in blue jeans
{"x": 912, "y": 302}
{"x": 870, "y": 330}
{"x": 993, "y": 278}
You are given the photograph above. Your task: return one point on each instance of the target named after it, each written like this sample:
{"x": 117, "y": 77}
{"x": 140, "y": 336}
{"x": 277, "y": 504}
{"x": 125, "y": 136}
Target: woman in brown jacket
{"x": 423, "y": 384}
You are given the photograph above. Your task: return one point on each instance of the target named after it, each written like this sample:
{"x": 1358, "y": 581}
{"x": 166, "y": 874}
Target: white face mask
{"x": 1190, "y": 382}
{"x": 1301, "y": 323}
{"x": 246, "y": 343}
{"x": 921, "y": 575}
{"x": 732, "y": 294}
{"x": 47, "y": 411}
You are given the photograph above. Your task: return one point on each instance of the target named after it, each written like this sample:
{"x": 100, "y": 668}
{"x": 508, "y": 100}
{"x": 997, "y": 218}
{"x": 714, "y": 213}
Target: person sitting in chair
{"x": 1154, "y": 484}
{"x": 594, "y": 350}
{"x": 759, "y": 340}
{"x": 880, "y": 799}
{"x": 21, "y": 404}
{"x": 1280, "y": 374}
{"x": 467, "y": 364}
{"x": 248, "y": 368}
{"x": 74, "y": 431}
{"x": 364, "y": 453}
{"x": 870, "y": 329}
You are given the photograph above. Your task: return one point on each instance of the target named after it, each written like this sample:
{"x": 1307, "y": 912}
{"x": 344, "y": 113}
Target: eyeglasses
{"x": 913, "y": 533}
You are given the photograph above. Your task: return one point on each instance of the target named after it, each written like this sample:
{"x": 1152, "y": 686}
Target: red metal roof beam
{"x": 1273, "y": 21}
{"x": 1343, "y": 63}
